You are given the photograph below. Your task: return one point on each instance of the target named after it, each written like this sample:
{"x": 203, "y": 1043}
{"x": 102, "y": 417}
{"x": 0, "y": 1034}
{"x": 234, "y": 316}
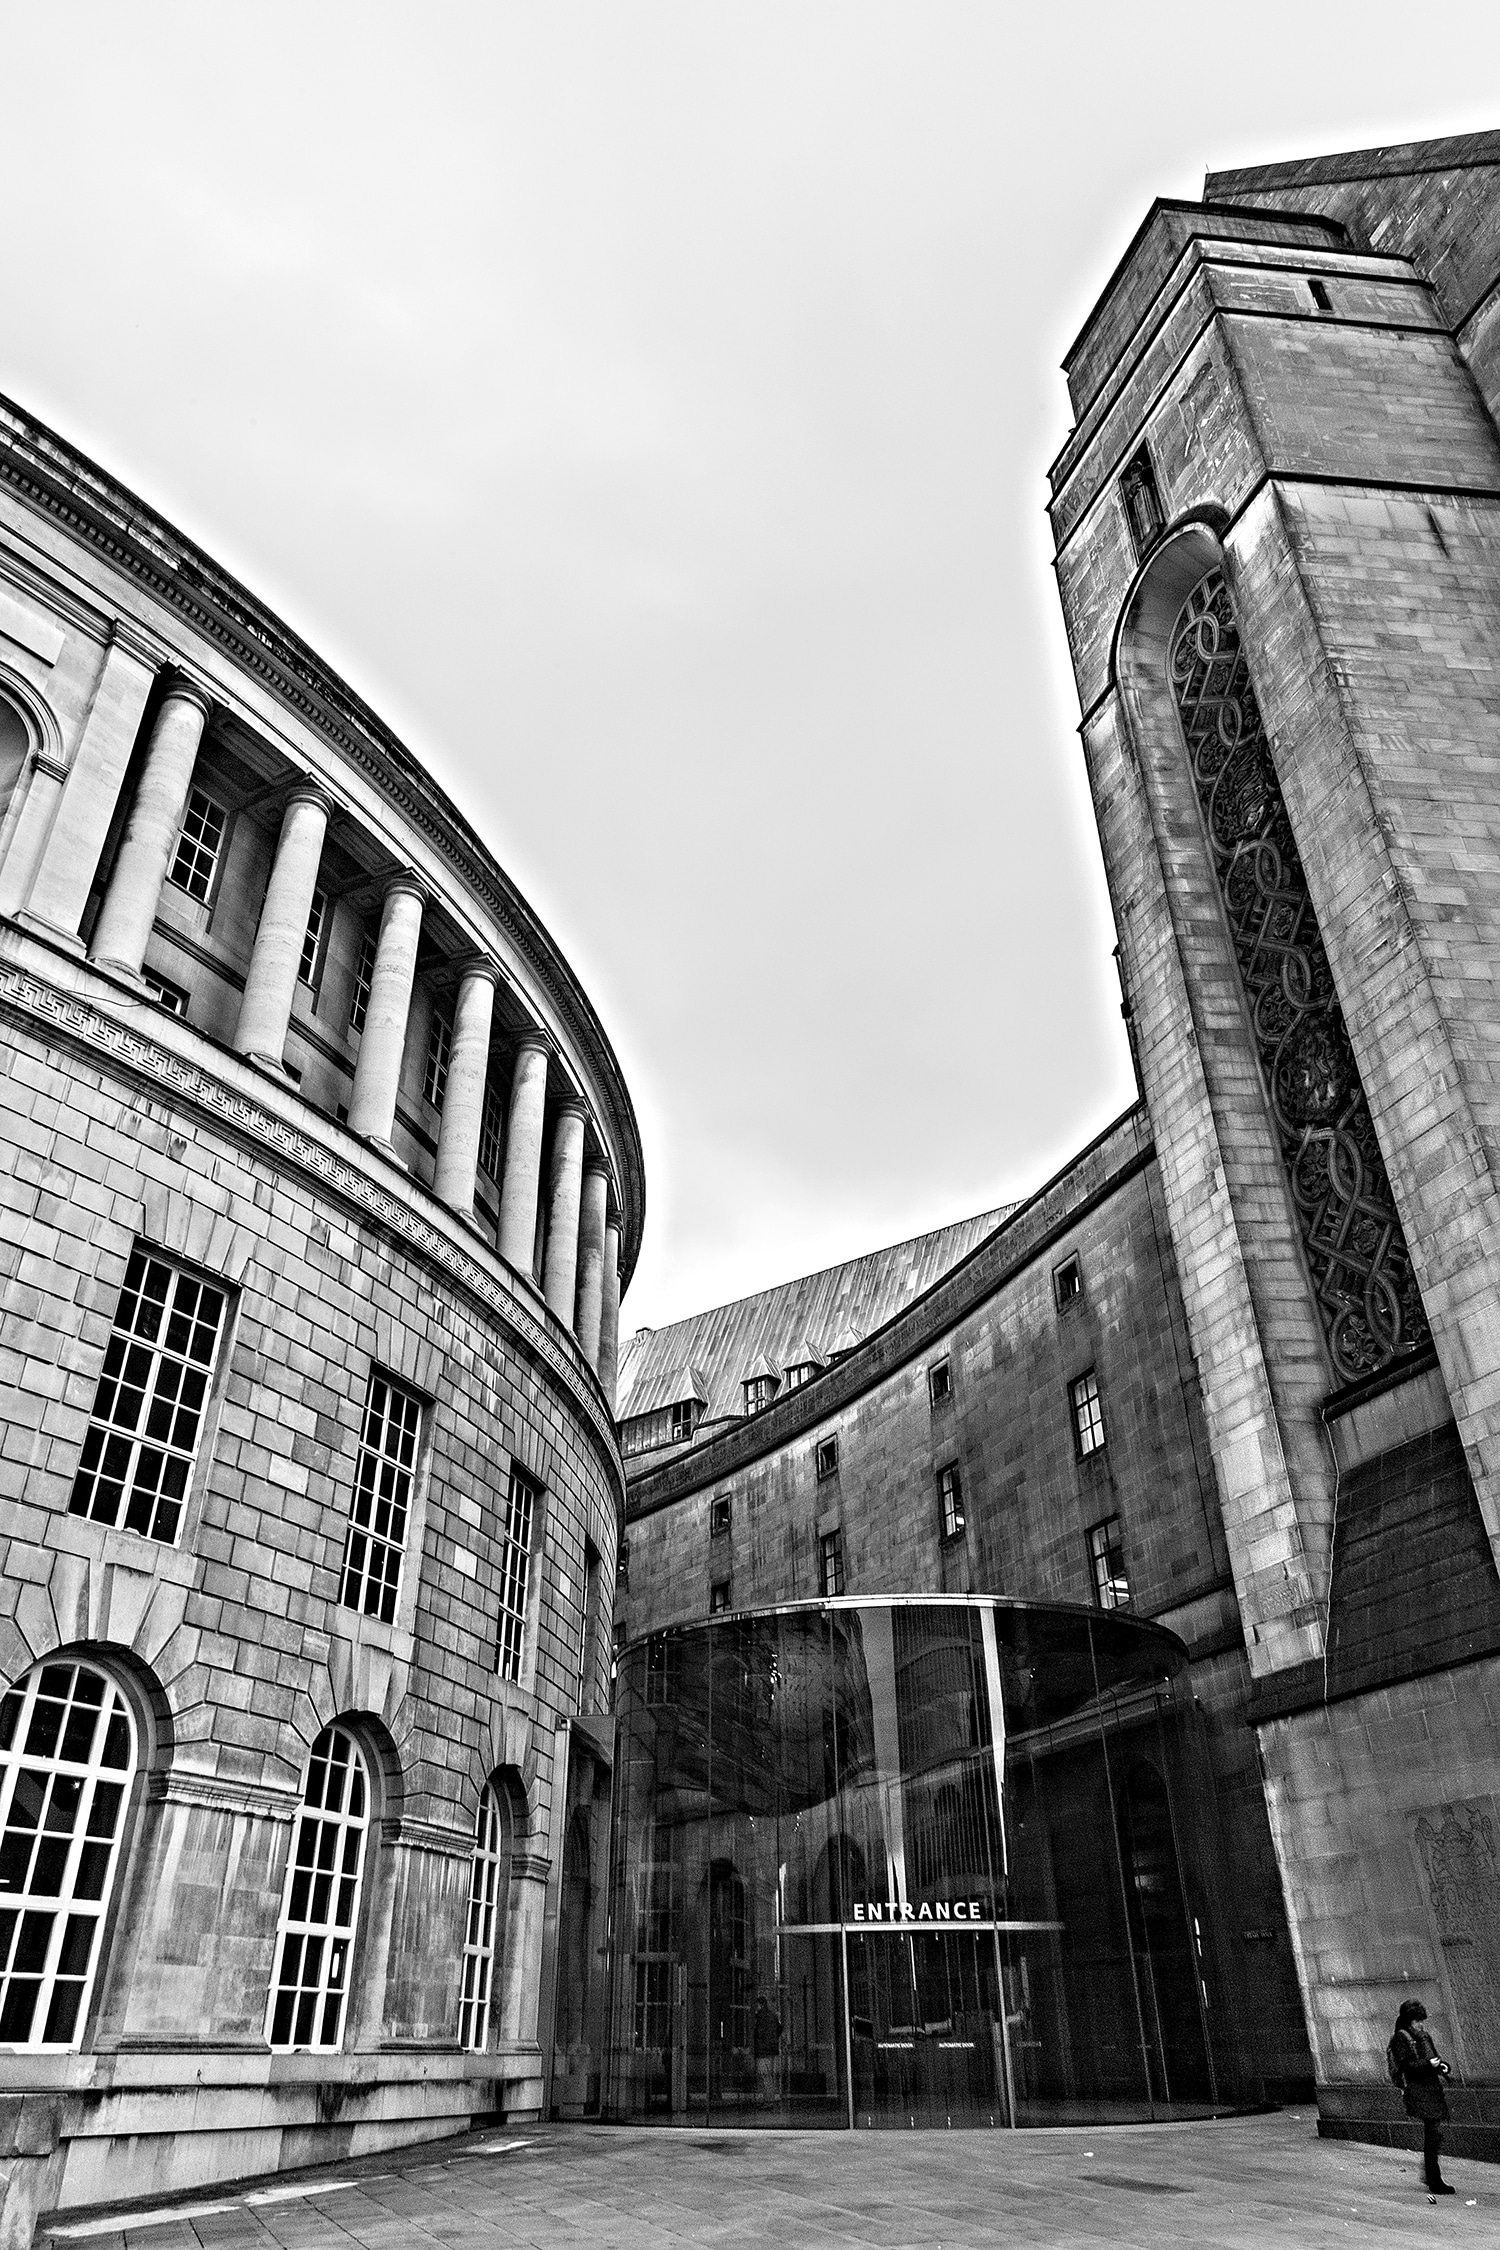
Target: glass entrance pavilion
{"x": 946, "y": 1861}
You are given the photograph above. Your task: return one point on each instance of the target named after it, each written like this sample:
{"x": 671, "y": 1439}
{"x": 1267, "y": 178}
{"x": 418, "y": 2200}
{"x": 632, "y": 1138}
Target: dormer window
{"x": 759, "y": 1392}
{"x": 1143, "y": 510}
{"x": 795, "y": 1377}
{"x": 684, "y": 1418}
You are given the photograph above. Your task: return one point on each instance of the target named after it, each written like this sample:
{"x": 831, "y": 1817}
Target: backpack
{"x": 1393, "y": 2069}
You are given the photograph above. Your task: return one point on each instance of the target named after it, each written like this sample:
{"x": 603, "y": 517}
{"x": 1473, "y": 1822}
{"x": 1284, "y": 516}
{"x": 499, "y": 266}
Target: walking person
{"x": 1419, "y": 2070}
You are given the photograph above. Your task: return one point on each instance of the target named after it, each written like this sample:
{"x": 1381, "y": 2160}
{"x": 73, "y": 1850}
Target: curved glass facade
{"x": 928, "y": 1862}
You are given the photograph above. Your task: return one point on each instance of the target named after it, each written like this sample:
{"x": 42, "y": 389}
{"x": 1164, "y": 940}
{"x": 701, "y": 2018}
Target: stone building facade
{"x": 1277, "y": 522}
{"x": 320, "y": 1184}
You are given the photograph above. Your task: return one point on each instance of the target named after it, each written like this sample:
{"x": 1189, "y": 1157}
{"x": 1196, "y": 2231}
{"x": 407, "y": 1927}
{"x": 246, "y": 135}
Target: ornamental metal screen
{"x": 1367, "y": 1293}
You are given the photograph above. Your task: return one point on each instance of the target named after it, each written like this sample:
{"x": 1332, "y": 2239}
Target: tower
{"x": 1278, "y": 549}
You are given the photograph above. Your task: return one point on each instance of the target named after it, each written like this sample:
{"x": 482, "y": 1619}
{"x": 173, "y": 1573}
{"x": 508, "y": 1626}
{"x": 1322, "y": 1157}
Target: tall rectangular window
{"x": 382, "y": 1499}
{"x": 1088, "y": 1415}
{"x": 364, "y": 977}
{"x": 951, "y": 1493}
{"x": 491, "y": 1133}
{"x": 313, "y": 937}
{"x": 1107, "y": 1562}
{"x": 199, "y": 842}
{"x": 831, "y": 1562}
{"x": 148, "y": 1410}
{"x": 515, "y": 1574}
{"x": 439, "y": 1047}
{"x": 1142, "y": 504}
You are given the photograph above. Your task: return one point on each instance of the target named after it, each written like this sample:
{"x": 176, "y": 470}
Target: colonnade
{"x": 580, "y": 1264}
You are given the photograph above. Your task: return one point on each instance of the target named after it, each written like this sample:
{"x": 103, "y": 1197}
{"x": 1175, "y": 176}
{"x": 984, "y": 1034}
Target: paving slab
{"x": 1231, "y": 2184}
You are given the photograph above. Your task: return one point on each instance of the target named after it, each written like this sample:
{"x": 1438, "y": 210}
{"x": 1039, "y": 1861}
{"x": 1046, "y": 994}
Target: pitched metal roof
{"x": 810, "y": 1318}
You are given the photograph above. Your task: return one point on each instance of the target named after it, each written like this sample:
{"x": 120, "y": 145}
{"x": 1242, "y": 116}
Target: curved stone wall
{"x": 319, "y": 1185}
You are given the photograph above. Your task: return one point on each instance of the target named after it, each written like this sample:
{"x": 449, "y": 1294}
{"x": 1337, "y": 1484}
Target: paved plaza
{"x": 1243, "y": 2181}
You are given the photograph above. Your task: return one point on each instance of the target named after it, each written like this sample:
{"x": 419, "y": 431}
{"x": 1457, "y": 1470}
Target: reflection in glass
{"x": 944, "y": 1861}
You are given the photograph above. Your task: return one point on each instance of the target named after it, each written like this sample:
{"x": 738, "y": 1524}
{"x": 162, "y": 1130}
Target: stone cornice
{"x": 1098, "y": 1171}
{"x": 52, "y": 476}
{"x": 28, "y": 996}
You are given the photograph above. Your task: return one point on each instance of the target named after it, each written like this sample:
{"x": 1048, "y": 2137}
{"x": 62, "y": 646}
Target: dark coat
{"x": 1421, "y": 2075}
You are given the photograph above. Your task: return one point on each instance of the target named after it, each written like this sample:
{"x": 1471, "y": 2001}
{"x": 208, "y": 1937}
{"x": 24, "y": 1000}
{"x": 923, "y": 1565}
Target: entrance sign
{"x": 929, "y": 1910}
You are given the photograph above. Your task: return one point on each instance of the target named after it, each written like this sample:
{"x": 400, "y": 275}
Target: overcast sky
{"x": 647, "y": 408}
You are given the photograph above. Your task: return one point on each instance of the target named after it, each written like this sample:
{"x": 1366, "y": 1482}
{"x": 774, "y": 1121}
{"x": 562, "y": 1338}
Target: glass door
{"x": 925, "y": 2032}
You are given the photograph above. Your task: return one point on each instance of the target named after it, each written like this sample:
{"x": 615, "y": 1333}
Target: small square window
{"x": 718, "y": 1513}
{"x": 826, "y": 1459}
{"x": 312, "y": 937}
{"x": 1088, "y": 1415}
{"x": 718, "y": 1597}
{"x": 940, "y": 1382}
{"x": 172, "y": 997}
{"x": 439, "y": 1047}
{"x": 1067, "y": 1283}
{"x": 950, "y": 1490}
{"x": 1107, "y": 1562}
{"x": 831, "y": 1562}
{"x": 199, "y": 842}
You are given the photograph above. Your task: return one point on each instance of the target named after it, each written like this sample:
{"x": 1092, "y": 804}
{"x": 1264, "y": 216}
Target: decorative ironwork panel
{"x": 1367, "y": 1294}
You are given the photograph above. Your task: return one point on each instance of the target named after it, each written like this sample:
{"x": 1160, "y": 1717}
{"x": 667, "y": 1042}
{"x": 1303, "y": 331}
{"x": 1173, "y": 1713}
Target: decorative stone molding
{"x": 63, "y": 1014}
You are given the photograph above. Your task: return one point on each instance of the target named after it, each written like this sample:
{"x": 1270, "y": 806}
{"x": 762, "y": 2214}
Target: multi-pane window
{"x": 515, "y": 1574}
{"x": 1107, "y": 1562}
{"x": 939, "y": 1382}
{"x": 1088, "y": 1414}
{"x": 148, "y": 1409}
{"x": 364, "y": 977}
{"x": 831, "y": 1562}
{"x": 684, "y": 1414}
{"x": 759, "y": 1392}
{"x": 826, "y": 1458}
{"x": 439, "y": 1048}
{"x": 718, "y": 1596}
{"x": 312, "y": 937}
{"x": 321, "y": 1905}
{"x": 803, "y": 1372}
{"x": 951, "y": 1493}
{"x": 167, "y": 995}
{"x": 484, "y": 1932}
{"x": 67, "y": 1752}
{"x": 660, "y": 1669}
{"x": 382, "y": 1499}
{"x": 199, "y": 843}
{"x": 491, "y": 1132}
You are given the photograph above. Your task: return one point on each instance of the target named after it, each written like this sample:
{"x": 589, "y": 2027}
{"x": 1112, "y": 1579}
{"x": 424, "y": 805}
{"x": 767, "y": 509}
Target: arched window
{"x": 67, "y": 1754}
{"x": 321, "y": 1906}
{"x": 484, "y": 1933}
{"x": 15, "y": 741}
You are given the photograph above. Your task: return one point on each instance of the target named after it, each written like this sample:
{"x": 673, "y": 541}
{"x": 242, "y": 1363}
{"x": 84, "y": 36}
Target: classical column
{"x": 266, "y": 1009}
{"x": 523, "y": 1156}
{"x": 382, "y": 1044}
{"x": 591, "y": 1218}
{"x": 560, "y": 1268}
{"x": 609, "y": 1311}
{"x": 53, "y": 853}
{"x": 463, "y": 1103}
{"x": 151, "y": 828}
